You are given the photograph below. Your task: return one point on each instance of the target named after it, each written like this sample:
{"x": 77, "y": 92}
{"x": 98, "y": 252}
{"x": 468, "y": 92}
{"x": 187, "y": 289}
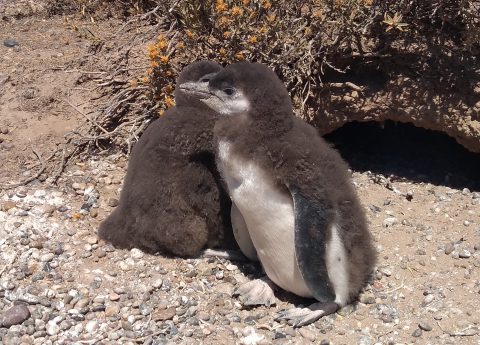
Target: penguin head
{"x": 199, "y": 74}
{"x": 246, "y": 88}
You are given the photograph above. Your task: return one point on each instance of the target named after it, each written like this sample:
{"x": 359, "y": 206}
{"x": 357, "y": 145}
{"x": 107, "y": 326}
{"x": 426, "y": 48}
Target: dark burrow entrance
{"x": 405, "y": 151}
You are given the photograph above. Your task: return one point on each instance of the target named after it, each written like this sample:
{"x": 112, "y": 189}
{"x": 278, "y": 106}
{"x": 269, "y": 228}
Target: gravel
{"x": 60, "y": 284}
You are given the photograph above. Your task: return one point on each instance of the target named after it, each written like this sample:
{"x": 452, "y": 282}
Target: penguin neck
{"x": 253, "y": 130}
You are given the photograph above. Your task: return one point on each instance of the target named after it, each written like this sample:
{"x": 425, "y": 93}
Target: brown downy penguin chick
{"x": 293, "y": 192}
{"x": 172, "y": 200}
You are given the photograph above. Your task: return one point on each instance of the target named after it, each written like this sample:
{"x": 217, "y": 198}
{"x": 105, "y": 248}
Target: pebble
{"x": 114, "y": 296}
{"x": 165, "y": 314}
{"x": 52, "y": 328}
{"x": 112, "y": 310}
{"x": 100, "y": 253}
{"x": 464, "y": 254}
{"x": 3, "y": 79}
{"x": 157, "y": 282}
{"x": 79, "y": 186}
{"x": 425, "y": 326}
{"x": 7, "y": 146}
{"x": 136, "y": 253}
{"x": 428, "y": 299}
{"x": 82, "y": 303}
{"x": 417, "y": 333}
{"x": 386, "y": 271}
{"x": 92, "y": 239}
{"x": 231, "y": 267}
{"x": 10, "y": 43}
{"x": 390, "y": 221}
{"x": 409, "y": 195}
{"x": 421, "y": 251}
{"x": 47, "y": 257}
{"x": 307, "y": 334}
{"x": 367, "y": 298}
{"x": 112, "y": 202}
{"x": 251, "y": 336}
{"x": 449, "y": 248}
{"x": 203, "y": 316}
{"x": 21, "y": 193}
{"x": 7, "y": 205}
{"x": 14, "y": 316}
{"x": 91, "y": 326}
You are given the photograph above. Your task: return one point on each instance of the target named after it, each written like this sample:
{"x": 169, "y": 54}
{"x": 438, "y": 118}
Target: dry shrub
{"x": 308, "y": 43}
{"x": 101, "y": 8}
{"x": 314, "y": 45}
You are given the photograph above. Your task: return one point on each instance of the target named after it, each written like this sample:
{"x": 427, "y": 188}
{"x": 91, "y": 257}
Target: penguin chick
{"x": 172, "y": 200}
{"x": 292, "y": 190}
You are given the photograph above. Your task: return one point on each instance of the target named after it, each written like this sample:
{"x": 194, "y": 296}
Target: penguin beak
{"x": 197, "y": 89}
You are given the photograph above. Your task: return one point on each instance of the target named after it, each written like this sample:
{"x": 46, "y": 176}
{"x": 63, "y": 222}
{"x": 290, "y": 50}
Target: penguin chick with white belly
{"x": 293, "y": 191}
{"x": 172, "y": 199}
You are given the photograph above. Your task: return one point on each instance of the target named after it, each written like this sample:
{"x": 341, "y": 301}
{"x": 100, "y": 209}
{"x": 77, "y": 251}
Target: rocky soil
{"x": 59, "y": 284}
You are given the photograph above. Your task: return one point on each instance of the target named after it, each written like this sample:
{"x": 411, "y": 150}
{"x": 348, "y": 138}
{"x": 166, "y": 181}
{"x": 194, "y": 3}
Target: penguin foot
{"x": 257, "y": 292}
{"x": 232, "y": 255}
{"x": 299, "y": 317}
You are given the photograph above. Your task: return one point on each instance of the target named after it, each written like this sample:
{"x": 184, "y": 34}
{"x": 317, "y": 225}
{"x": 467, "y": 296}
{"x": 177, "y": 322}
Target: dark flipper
{"x": 313, "y": 219}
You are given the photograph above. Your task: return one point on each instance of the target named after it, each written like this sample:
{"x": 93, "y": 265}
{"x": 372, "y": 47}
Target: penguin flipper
{"x": 312, "y": 222}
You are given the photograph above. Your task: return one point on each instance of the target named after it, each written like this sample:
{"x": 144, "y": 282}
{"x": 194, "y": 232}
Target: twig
{"x": 86, "y": 116}
{"x": 77, "y": 71}
{"x": 63, "y": 162}
{"x": 347, "y": 84}
{"x": 113, "y": 81}
{"x": 152, "y": 12}
{"x": 112, "y": 133}
{"x": 35, "y": 176}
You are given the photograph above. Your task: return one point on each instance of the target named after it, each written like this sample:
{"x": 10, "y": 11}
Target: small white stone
{"x": 124, "y": 266}
{"x": 91, "y": 326}
{"x": 136, "y": 253}
{"x": 386, "y": 271}
{"x": 47, "y": 257}
{"x": 428, "y": 299}
{"x": 52, "y": 328}
{"x": 78, "y": 186}
{"x": 390, "y": 221}
{"x": 251, "y": 336}
{"x": 39, "y": 193}
{"x": 92, "y": 239}
{"x": 157, "y": 282}
{"x": 231, "y": 267}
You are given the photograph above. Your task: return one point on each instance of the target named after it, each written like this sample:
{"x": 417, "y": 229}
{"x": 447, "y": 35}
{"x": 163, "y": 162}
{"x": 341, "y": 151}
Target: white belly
{"x": 269, "y": 217}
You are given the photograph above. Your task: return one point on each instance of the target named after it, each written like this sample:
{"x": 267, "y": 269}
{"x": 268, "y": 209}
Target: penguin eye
{"x": 229, "y": 91}
{"x": 205, "y": 80}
